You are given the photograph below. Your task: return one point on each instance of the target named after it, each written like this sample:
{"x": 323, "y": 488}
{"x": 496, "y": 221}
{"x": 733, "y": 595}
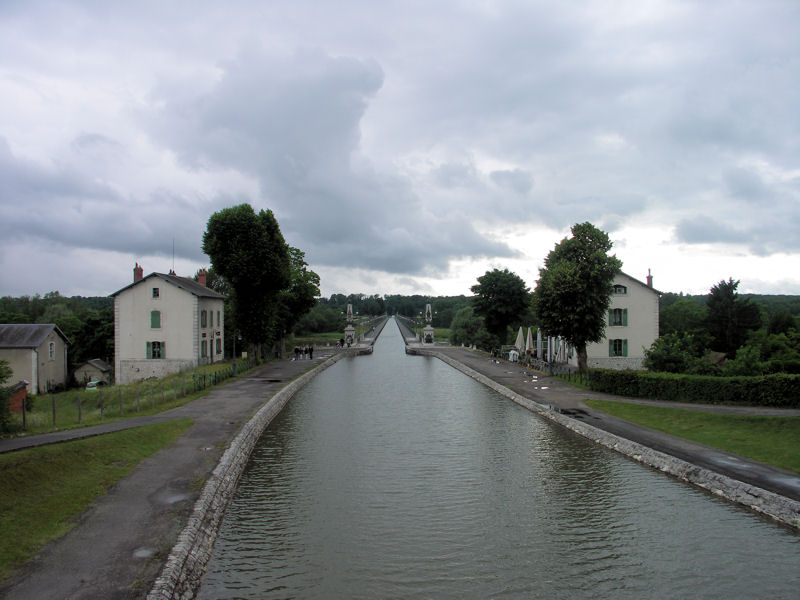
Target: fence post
{"x": 53, "y": 402}
{"x": 79, "y": 408}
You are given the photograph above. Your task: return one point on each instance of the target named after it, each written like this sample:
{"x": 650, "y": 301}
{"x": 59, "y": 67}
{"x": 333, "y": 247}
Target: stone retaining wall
{"x": 186, "y": 565}
{"x": 780, "y": 508}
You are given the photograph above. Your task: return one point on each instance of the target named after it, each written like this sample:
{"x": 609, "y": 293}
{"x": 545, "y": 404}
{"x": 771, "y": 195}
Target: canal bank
{"x": 764, "y": 489}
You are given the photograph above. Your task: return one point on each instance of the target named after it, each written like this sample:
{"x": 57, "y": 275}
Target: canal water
{"x": 394, "y": 476}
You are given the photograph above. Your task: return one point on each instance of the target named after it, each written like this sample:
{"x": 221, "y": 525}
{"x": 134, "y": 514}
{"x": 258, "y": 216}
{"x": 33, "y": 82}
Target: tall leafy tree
{"x": 501, "y": 298}
{"x": 300, "y": 296}
{"x": 249, "y": 251}
{"x": 573, "y": 293}
{"x": 730, "y": 317}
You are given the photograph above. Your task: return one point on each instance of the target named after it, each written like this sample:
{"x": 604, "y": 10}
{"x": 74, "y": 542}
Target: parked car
{"x": 93, "y": 386}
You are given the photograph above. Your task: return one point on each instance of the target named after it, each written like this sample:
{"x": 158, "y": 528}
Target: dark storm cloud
{"x": 293, "y": 122}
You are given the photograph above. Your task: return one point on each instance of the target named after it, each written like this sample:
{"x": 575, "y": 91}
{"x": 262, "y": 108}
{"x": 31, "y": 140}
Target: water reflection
{"x": 396, "y": 476}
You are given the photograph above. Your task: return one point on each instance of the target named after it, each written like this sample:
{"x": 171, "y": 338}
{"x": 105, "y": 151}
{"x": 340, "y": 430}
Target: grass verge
{"x": 770, "y": 440}
{"x": 45, "y": 489}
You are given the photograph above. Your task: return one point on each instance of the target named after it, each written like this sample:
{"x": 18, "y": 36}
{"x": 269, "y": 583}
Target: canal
{"x": 394, "y": 476}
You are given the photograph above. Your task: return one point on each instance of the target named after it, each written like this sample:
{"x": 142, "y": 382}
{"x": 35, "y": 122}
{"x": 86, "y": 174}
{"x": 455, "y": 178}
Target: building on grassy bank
{"x": 164, "y": 324}
{"x": 36, "y": 353}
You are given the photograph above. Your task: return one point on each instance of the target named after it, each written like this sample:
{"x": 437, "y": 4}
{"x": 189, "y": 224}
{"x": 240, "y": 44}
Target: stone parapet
{"x": 186, "y": 565}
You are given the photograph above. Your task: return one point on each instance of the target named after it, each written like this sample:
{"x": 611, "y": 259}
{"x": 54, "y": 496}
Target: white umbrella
{"x": 520, "y": 343}
{"x": 539, "y": 344}
{"x": 529, "y": 342}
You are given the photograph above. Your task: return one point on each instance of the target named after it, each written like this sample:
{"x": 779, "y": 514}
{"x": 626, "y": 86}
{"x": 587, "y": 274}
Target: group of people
{"x": 306, "y": 352}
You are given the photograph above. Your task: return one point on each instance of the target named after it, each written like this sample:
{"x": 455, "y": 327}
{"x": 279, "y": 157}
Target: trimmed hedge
{"x": 778, "y": 390}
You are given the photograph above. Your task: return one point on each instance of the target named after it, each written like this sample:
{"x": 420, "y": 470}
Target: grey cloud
{"x": 452, "y": 175}
{"x": 518, "y": 180}
{"x": 745, "y": 184}
{"x": 293, "y": 122}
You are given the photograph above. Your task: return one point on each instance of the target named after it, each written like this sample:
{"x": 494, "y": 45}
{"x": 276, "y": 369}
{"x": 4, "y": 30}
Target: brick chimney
{"x": 649, "y": 279}
{"x": 138, "y": 273}
{"x": 201, "y": 277}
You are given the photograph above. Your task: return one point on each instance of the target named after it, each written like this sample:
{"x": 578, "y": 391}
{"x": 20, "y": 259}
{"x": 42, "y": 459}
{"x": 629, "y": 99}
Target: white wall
{"x": 641, "y": 331}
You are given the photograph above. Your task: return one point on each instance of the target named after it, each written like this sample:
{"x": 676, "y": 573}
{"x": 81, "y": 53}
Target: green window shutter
{"x": 624, "y": 347}
{"x": 611, "y": 316}
{"x": 155, "y": 319}
{"x": 163, "y": 349}
{"x": 611, "y": 347}
{"x": 149, "y": 350}
{"x": 625, "y": 316}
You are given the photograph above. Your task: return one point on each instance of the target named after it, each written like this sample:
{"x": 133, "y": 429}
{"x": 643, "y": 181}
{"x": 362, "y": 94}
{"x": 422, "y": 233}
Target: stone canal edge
{"x": 186, "y": 564}
{"x": 187, "y": 561}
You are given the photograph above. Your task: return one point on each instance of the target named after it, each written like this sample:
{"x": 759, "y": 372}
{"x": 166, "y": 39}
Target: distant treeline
{"x": 88, "y": 322}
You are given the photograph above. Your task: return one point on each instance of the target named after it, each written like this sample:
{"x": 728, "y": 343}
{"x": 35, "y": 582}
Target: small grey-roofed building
{"x": 36, "y": 353}
{"x": 95, "y": 369}
{"x": 165, "y": 324}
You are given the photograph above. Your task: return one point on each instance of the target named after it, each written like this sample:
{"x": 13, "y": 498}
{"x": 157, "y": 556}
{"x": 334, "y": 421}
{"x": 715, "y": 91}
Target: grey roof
{"x": 185, "y": 283}
{"x": 99, "y": 364}
{"x": 14, "y": 335}
{"x": 641, "y": 283}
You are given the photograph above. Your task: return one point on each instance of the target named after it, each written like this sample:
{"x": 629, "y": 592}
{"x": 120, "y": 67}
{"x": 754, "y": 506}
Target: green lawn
{"x": 80, "y": 408}
{"x": 771, "y": 440}
{"x": 45, "y": 489}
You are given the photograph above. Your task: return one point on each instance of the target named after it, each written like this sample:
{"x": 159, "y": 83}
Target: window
{"x": 219, "y": 322}
{"x": 156, "y": 350}
{"x": 203, "y": 318}
{"x": 618, "y": 347}
{"x": 155, "y": 293}
{"x": 52, "y": 350}
{"x": 204, "y": 349}
{"x": 618, "y": 317}
{"x": 155, "y": 319}
{"x": 219, "y": 346}
{"x": 620, "y": 290}
{"x": 211, "y": 319}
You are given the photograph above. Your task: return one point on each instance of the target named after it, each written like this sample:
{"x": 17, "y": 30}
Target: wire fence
{"x": 73, "y": 408}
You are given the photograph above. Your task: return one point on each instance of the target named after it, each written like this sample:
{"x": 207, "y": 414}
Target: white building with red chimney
{"x": 165, "y": 324}
{"x": 631, "y": 327}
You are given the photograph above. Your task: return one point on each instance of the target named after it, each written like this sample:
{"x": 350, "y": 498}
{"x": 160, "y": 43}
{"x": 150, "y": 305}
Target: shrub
{"x": 778, "y": 390}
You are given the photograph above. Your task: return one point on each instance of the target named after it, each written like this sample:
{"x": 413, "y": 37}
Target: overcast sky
{"x": 406, "y": 147}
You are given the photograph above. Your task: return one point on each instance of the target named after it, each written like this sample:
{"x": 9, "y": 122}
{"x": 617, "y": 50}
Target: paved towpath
{"x": 120, "y": 544}
{"x": 569, "y": 400}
